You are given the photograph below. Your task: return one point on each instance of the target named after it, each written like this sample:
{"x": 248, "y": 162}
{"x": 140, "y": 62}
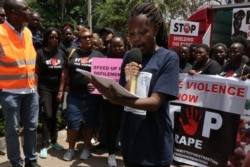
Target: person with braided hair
{"x": 146, "y": 129}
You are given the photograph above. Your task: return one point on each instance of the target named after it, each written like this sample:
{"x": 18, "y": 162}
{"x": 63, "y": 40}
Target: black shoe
{"x": 32, "y": 164}
{"x": 100, "y": 147}
{"x": 2, "y": 153}
{"x": 18, "y": 166}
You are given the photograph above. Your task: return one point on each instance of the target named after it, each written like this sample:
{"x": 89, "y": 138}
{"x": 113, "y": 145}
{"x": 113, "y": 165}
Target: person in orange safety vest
{"x": 18, "y": 95}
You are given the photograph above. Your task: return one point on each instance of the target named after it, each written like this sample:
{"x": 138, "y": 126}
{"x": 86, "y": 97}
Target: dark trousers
{"x": 134, "y": 165}
{"x": 111, "y": 118}
{"x": 49, "y": 116}
{"x": 128, "y": 164}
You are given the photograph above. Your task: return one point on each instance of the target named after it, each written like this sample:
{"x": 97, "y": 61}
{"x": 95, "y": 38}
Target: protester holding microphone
{"x": 146, "y": 130}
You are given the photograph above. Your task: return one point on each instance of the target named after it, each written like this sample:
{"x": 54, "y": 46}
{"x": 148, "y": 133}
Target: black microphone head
{"x": 135, "y": 55}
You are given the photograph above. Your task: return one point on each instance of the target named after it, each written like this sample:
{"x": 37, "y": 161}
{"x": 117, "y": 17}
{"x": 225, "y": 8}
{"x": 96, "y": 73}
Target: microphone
{"x": 136, "y": 56}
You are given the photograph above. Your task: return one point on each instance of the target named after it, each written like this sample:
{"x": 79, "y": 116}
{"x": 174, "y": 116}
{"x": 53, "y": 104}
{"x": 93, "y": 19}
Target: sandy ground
{"x": 54, "y": 159}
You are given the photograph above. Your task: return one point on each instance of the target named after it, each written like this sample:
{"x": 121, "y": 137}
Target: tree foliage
{"x": 53, "y": 15}
{"x": 108, "y": 13}
{"x": 183, "y": 9}
{"x": 247, "y": 104}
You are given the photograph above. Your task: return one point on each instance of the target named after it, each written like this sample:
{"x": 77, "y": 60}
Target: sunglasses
{"x": 53, "y": 37}
{"x": 86, "y": 37}
{"x": 68, "y": 34}
{"x": 2, "y": 15}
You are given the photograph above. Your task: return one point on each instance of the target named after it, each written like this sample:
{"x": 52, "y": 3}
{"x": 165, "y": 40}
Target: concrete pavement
{"x": 54, "y": 159}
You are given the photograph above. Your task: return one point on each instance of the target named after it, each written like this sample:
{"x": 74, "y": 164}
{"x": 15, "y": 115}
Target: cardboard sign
{"x": 106, "y": 67}
{"x": 186, "y": 28}
{"x": 183, "y": 32}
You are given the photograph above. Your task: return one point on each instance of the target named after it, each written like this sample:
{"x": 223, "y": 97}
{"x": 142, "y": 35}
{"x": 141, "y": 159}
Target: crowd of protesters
{"x": 60, "y": 52}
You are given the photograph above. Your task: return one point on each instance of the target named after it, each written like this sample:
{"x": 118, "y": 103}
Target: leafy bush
{"x": 61, "y": 123}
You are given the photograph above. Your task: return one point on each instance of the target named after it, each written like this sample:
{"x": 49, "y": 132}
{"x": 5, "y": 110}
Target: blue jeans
{"x": 83, "y": 109}
{"x": 22, "y": 108}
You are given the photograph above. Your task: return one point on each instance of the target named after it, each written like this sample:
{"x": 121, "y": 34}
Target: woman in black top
{"x": 236, "y": 66}
{"x": 82, "y": 106}
{"x": 111, "y": 113}
{"x": 203, "y": 64}
{"x": 49, "y": 65}
{"x": 183, "y": 54}
{"x": 66, "y": 43}
{"x": 219, "y": 53}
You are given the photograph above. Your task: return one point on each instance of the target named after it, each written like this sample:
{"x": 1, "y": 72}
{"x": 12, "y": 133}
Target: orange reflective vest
{"x": 17, "y": 58}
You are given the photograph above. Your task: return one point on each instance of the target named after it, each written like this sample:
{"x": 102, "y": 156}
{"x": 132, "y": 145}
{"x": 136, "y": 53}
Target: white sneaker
{"x": 68, "y": 155}
{"x": 43, "y": 153}
{"x": 85, "y": 154}
{"x": 112, "y": 161}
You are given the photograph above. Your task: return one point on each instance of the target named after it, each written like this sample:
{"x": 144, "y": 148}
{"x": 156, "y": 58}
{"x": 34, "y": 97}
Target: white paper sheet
{"x": 107, "y": 82}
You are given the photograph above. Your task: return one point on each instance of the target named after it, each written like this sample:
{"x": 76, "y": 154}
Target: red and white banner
{"x": 206, "y": 118}
{"x": 187, "y": 28}
{"x": 183, "y": 32}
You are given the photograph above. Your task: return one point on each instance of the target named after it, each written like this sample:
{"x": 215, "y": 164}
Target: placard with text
{"x": 106, "y": 67}
{"x": 206, "y": 118}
